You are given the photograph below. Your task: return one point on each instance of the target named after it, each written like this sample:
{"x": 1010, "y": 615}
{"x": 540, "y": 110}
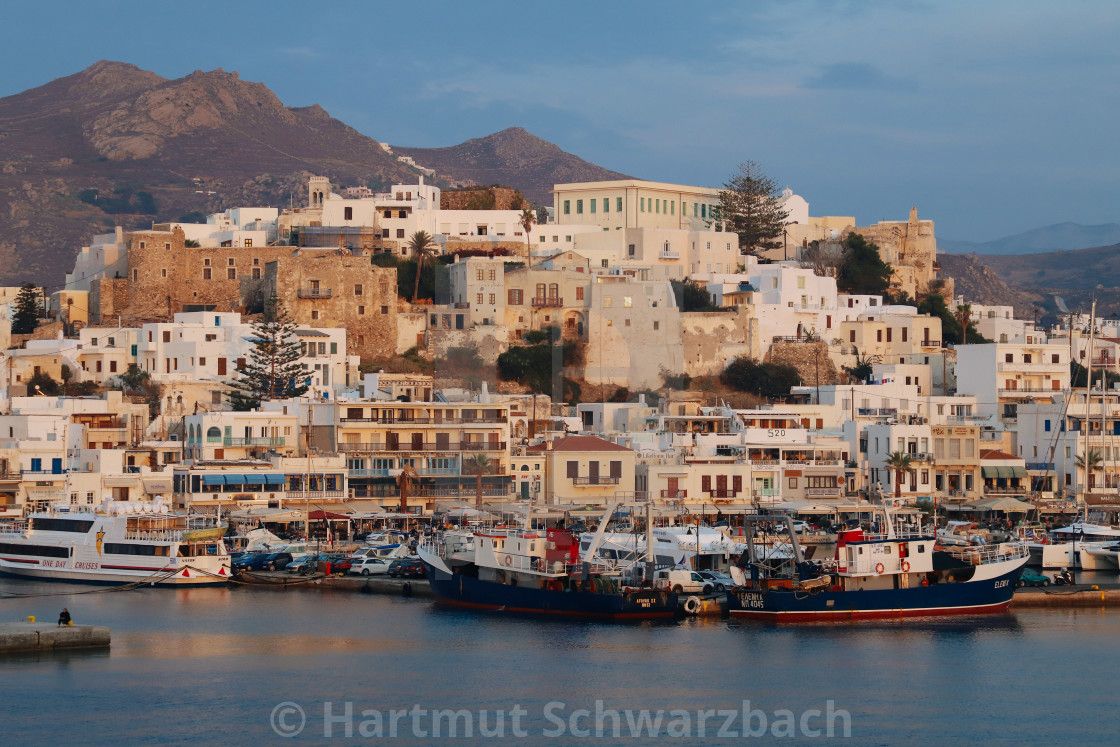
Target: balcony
{"x": 549, "y": 302}
{"x": 931, "y": 343}
{"x": 965, "y": 419}
{"x": 261, "y": 441}
{"x": 674, "y": 493}
{"x": 877, "y": 412}
{"x": 669, "y": 254}
{"x": 422, "y": 446}
{"x": 461, "y": 305}
{"x": 361, "y": 446}
{"x": 424, "y": 421}
{"x": 822, "y": 492}
{"x": 600, "y": 480}
{"x": 314, "y": 293}
{"x": 1026, "y": 391}
{"x": 723, "y": 493}
{"x": 767, "y": 492}
{"x": 483, "y": 446}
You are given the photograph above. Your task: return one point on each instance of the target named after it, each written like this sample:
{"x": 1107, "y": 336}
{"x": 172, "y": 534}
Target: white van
{"x": 682, "y": 582}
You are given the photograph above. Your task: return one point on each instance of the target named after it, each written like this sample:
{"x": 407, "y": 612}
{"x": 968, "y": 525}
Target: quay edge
{"x": 36, "y": 636}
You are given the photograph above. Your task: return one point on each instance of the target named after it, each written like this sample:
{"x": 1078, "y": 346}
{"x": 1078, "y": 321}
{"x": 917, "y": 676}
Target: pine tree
{"x": 750, "y": 207}
{"x": 273, "y": 370}
{"x": 26, "y": 317}
{"x": 863, "y": 272}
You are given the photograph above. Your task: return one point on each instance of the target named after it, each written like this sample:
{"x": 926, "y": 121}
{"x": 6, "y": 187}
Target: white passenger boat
{"x": 1100, "y": 556}
{"x": 118, "y": 543}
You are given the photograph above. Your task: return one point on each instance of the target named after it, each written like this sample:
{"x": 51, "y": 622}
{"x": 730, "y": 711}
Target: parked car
{"x": 269, "y": 561}
{"x": 683, "y": 581}
{"x": 369, "y": 567}
{"x": 1032, "y": 577}
{"x": 720, "y": 580}
{"x": 406, "y": 568}
{"x": 243, "y": 562}
{"x": 309, "y": 563}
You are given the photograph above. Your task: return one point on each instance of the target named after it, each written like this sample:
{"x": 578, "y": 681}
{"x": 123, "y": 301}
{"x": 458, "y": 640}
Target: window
{"x": 515, "y": 297}
{"x": 334, "y": 348}
{"x": 136, "y": 275}
{"x": 400, "y": 233}
{"x": 606, "y": 205}
{"x": 249, "y": 243}
{"x": 793, "y": 483}
{"x": 579, "y": 293}
{"x": 348, "y": 213}
{"x": 657, "y": 325}
{"x": 643, "y": 204}
{"x": 573, "y": 469}
{"x": 206, "y": 273}
{"x": 478, "y": 299}
{"x": 594, "y": 204}
{"x": 618, "y": 205}
{"x": 493, "y": 299}
{"x": 231, "y": 273}
{"x": 357, "y": 289}
{"x": 402, "y": 213}
{"x": 479, "y": 274}
{"x": 851, "y": 335}
{"x": 163, "y": 272}
{"x": 361, "y": 311}
{"x": 314, "y": 314}
{"x": 256, "y": 273}
{"x": 579, "y": 207}
{"x": 384, "y": 309}
{"x": 567, "y": 207}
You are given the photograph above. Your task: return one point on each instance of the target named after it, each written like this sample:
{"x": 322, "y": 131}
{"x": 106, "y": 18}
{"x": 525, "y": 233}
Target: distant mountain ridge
{"x": 1058, "y": 237}
{"x": 511, "y": 157}
{"x": 204, "y": 142}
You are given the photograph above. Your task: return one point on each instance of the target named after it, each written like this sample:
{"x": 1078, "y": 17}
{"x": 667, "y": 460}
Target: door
{"x": 593, "y": 472}
{"x": 221, "y": 366}
{"x": 443, "y": 441}
{"x": 672, "y": 486}
{"x": 417, "y": 441}
{"x": 56, "y": 466}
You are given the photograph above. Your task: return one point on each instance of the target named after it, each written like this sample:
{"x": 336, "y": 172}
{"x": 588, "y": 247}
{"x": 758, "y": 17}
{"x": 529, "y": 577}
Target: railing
{"x": 965, "y": 419}
{"x": 670, "y": 254}
{"x": 600, "y": 480}
{"x": 931, "y": 343}
{"x": 674, "y": 493}
{"x": 155, "y": 535}
{"x": 877, "y": 411}
{"x": 550, "y": 301}
{"x": 10, "y": 475}
{"x": 314, "y": 293}
{"x": 369, "y": 473}
{"x": 361, "y": 446}
{"x": 1026, "y": 390}
{"x": 767, "y": 492}
{"x": 460, "y": 305}
{"x": 1040, "y": 366}
{"x": 423, "y": 421}
{"x": 723, "y": 493}
{"x": 313, "y": 495}
{"x": 253, "y": 441}
{"x": 57, "y": 472}
{"x": 990, "y": 554}
{"x": 823, "y": 492}
{"x": 483, "y": 446}
{"x": 1006, "y": 491}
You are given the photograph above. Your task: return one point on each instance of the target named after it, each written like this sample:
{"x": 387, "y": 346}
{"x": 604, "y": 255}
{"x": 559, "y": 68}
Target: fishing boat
{"x": 525, "y": 571}
{"x": 892, "y": 573}
{"x": 119, "y": 542}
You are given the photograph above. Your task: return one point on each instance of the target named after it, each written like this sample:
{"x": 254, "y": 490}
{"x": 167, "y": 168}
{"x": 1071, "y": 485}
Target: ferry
{"x": 877, "y": 575}
{"x": 118, "y": 543}
{"x": 521, "y": 570}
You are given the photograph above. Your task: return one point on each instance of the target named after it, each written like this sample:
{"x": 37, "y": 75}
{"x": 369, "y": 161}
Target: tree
{"x": 934, "y": 305}
{"x": 749, "y": 205}
{"x": 528, "y": 218}
{"x": 770, "y": 380}
{"x": 863, "y": 272}
{"x": 420, "y": 246}
{"x": 405, "y": 480}
{"x": 900, "y": 462}
{"x": 862, "y": 369}
{"x": 692, "y": 296}
{"x": 273, "y": 370}
{"x": 1091, "y": 463}
{"x": 477, "y": 464}
{"x": 26, "y": 317}
{"x": 42, "y": 383}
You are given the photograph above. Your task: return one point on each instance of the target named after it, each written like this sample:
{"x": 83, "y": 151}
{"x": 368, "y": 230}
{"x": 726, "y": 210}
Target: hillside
{"x": 114, "y": 144}
{"x": 1061, "y": 236}
{"x": 511, "y": 157}
{"x": 978, "y": 283}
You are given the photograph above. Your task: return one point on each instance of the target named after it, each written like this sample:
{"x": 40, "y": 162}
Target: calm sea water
{"x": 213, "y": 665}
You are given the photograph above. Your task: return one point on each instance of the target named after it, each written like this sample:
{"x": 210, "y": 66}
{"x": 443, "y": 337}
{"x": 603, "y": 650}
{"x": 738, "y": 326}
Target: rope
{"x": 163, "y": 575}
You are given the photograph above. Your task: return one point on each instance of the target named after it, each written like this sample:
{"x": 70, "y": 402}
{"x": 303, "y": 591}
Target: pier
{"x": 42, "y": 636}
{"x": 398, "y": 587}
{"x": 1078, "y": 595}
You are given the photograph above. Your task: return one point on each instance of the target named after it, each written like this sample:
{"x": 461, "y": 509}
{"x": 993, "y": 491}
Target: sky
{"x": 992, "y": 118}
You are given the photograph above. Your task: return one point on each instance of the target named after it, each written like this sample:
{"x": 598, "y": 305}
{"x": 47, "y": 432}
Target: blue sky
{"x": 991, "y": 117}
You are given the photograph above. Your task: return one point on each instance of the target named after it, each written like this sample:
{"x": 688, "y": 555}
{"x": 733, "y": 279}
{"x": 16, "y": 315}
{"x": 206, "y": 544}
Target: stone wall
{"x": 328, "y": 288}
{"x": 712, "y": 339}
{"x": 809, "y": 358}
{"x": 482, "y": 198}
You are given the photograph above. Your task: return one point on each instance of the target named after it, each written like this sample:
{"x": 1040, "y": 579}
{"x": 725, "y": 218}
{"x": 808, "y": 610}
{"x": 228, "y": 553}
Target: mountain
{"x": 978, "y": 283}
{"x": 512, "y": 157}
{"x": 117, "y": 145}
{"x": 1061, "y": 236}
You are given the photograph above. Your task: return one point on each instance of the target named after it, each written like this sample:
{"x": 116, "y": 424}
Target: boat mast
{"x": 1088, "y": 397}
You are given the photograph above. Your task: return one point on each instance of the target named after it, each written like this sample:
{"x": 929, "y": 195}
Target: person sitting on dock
{"x": 63, "y": 618}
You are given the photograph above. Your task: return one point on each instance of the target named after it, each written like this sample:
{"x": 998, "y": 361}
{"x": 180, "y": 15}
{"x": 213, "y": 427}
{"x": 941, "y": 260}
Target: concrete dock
{"x": 1078, "y": 595}
{"x": 398, "y": 587}
{"x": 40, "y": 636}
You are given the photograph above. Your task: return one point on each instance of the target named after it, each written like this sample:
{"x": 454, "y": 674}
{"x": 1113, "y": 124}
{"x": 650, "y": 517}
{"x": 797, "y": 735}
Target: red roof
{"x": 996, "y": 454}
{"x": 579, "y": 443}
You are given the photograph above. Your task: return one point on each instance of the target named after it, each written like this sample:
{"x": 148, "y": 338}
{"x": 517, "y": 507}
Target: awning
{"x": 320, "y": 515}
{"x": 255, "y": 479}
{"x": 235, "y": 479}
{"x": 1003, "y": 472}
{"x": 155, "y": 485}
{"x": 213, "y": 480}
{"x": 274, "y": 480}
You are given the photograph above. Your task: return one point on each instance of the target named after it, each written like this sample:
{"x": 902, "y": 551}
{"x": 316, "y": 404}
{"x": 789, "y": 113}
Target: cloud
{"x": 856, "y": 76}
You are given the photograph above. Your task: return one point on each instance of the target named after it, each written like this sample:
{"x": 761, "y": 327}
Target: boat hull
{"x": 990, "y": 595}
{"x": 463, "y": 590}
{"x": 114, "y": 575}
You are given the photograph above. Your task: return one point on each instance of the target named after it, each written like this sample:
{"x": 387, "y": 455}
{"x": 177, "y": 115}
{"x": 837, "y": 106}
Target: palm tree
{"x": 528, "y": 218}
{"x": 899, "y": 461}
{"x": 1091, "y": 462}
{"x": 420, "y": 246}
{"x": 477, "y": 465}
{"x": 964, "y": 318}
{"x": 406, "y": 479}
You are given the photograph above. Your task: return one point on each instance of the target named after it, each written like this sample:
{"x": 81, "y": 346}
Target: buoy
{"x": 31, "y": 618}
{"x": 406, "y": 589}
{"x": 692, "y": 605}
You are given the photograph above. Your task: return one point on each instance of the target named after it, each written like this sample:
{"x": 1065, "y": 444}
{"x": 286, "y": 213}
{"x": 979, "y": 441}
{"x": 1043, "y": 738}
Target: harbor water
{"x": 228, "y": 666}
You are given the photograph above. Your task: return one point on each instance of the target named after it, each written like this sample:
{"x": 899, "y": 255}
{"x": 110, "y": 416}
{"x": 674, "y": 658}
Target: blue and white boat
{"x": 889, "y": 573}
